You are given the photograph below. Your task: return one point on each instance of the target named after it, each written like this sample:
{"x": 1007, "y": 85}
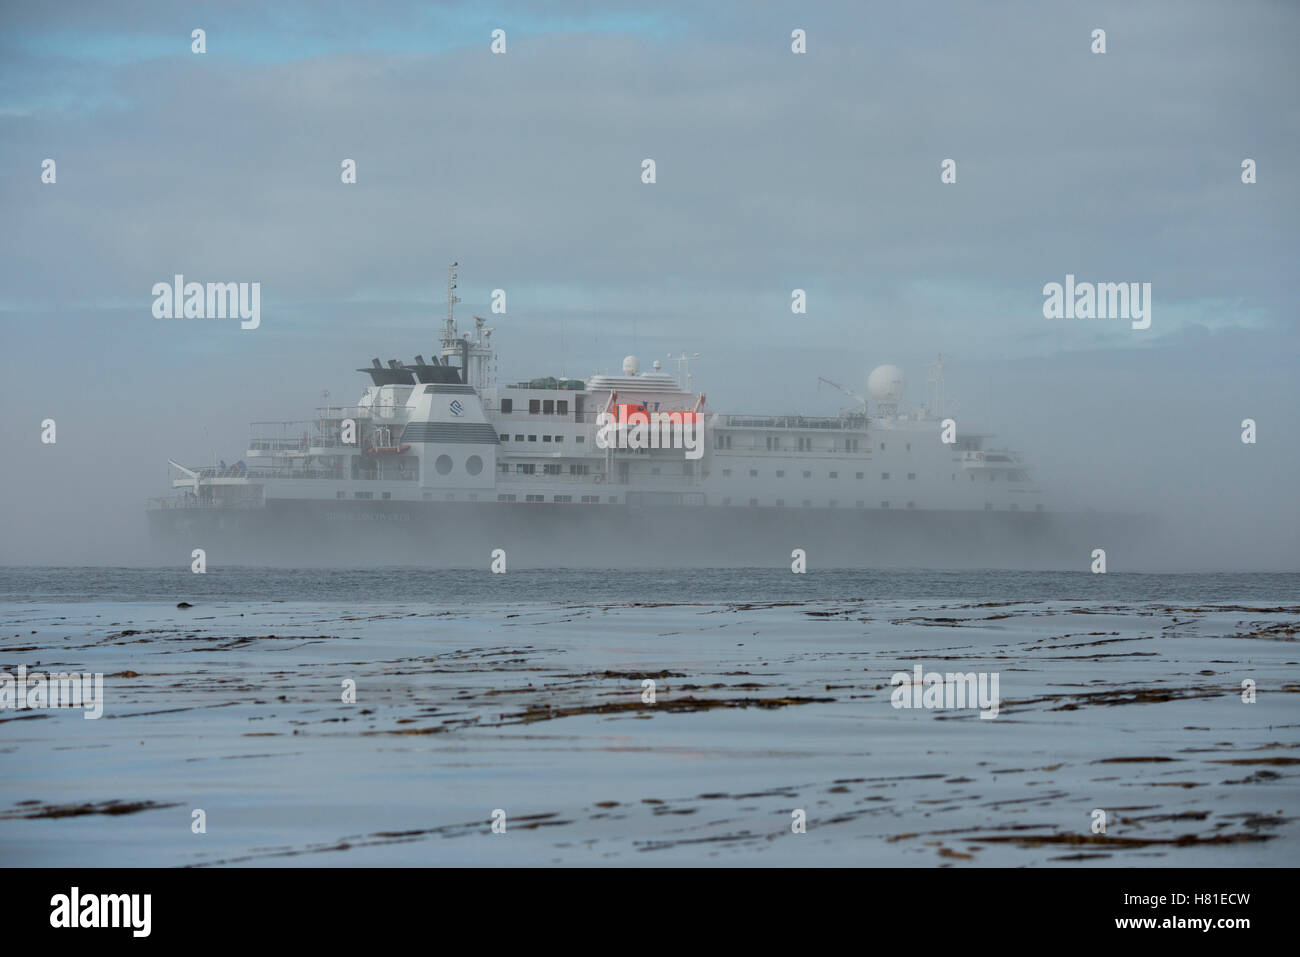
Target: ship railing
{"x": 586, "y": 418}
{"x": 794, "y": 422}
{"x": 159, "y": 503}
{"x": 283, "y": 436}
{"x": 216, "y": 471}
{"x": 335, "y": 413}
{"x": 260, "y": 472}
{"x": 1004, "y": 458}
{"x": 337, "y": 474}
{"x": 277, "y": 445}
{"x": 374, "y": 413}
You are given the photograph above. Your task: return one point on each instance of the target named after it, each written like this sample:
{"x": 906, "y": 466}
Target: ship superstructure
{"x": 442, "y": 432}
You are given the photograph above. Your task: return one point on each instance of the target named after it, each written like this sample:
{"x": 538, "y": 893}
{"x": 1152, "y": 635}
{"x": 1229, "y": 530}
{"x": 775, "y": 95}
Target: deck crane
{"x": 849, "y": 392}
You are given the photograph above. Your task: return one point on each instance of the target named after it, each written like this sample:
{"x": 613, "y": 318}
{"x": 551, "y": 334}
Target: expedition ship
{"x": 439, "y": 464}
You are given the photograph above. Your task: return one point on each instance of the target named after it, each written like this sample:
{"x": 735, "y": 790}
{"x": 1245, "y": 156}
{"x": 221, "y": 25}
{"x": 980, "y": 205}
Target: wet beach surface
{"x": 760, "y": 708}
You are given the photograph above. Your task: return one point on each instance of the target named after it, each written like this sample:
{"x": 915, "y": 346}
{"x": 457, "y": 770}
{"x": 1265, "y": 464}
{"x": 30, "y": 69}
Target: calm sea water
{"x": 405, "y": 585}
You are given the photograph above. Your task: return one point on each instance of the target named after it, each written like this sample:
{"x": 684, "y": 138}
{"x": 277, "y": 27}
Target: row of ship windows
{"x": 807, "y": 503}
{"x": 801, "y": 444}
{"x": 561, "y": 499}
{"x": 473, "y": 497}
{"x": 385, "y": 496}
{"x": 539, "y": 406}
{"x": 530, "y": 468}
{"x": 884, "y": 476}
{"x": 753, "y": 473}
{"x": 613, "y": 500}
{"x": 545, "y": 438}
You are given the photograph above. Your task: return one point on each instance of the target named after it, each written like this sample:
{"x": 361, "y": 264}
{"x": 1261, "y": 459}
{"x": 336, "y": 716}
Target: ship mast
{"x": 450, "y": 335}
{"x": 935, "y": 381}
{"x": 684, "y": 366}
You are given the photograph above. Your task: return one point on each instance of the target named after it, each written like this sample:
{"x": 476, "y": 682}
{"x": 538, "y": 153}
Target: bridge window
{"x": 507, "y": 406}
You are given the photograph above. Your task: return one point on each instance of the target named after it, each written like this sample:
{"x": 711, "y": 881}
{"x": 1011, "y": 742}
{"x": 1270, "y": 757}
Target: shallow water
{"x": 467, "y": 705}
{"x": 406, "y": 584}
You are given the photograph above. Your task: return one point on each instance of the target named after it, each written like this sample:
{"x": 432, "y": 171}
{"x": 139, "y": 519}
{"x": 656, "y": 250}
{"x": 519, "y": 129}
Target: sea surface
{"x": 408, "y": 584}
{"x": 717, "y": 717}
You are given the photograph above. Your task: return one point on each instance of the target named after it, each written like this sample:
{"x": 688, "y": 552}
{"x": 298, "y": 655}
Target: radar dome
{"x": 631, "y": 365}
{"x": 886, "y": 385}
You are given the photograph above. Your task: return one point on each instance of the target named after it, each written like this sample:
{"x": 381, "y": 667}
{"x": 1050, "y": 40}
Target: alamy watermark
{"x": 179, "y": 299}
{"x": 938, "y": 691}
{"x": 76, "y": 909}
{"x": 1103, "y": 300}
{"x": 37, "y": 690}
{"x": 634, "y": 427}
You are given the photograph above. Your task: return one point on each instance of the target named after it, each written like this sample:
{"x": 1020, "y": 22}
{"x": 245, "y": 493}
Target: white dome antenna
{"x": 631, "y": 366}
{"x": 887, "y": 386}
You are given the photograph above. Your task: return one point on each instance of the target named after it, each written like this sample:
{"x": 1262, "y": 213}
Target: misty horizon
{"x": 775, "y": 172}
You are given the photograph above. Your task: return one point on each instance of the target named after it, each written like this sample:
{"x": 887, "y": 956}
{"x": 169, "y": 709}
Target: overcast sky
{"x": 775, "y": 171}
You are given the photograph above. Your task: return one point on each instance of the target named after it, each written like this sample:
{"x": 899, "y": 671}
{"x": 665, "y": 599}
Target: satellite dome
{"x": 886, "y": 385}
{"x": 631, "y": 365}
